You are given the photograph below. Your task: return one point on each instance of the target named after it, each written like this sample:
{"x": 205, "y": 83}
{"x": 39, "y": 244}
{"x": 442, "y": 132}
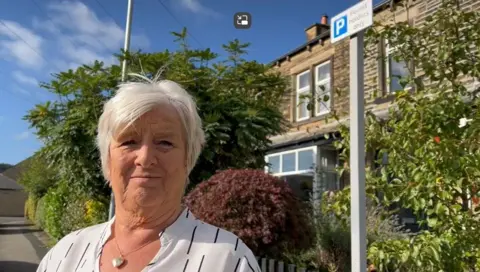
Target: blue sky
{"x": 38, "y": 37}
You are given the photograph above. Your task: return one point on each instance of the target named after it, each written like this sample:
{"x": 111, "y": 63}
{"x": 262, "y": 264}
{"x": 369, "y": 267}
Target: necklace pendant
{"x": 117, "y": 262}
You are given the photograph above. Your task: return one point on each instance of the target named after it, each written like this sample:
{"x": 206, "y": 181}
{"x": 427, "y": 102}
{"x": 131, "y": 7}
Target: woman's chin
{"x": 148, "y": 199}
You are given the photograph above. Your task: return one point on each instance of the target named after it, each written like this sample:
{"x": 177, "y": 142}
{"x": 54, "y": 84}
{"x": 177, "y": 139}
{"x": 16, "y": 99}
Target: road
{"x": 20, "y": 248}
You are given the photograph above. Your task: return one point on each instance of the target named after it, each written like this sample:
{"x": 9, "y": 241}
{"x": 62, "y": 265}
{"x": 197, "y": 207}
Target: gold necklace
{"x": 119, "y": 261}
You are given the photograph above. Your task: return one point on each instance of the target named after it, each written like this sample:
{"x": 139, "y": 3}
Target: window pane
{"x": 322, "y": 95}
{"x": 274, "y": 162}
{"x": 323, "y": 71}
{"x": 397, "y": 70}
{"x": 306, "y": 160}
{"x": 303, "y": 80}
{"x": 288, "y": 162}
{"x": 302, "y": 111}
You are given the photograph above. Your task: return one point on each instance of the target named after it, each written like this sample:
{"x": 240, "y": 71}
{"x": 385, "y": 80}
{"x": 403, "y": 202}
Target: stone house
{"x": 308, "y": 145}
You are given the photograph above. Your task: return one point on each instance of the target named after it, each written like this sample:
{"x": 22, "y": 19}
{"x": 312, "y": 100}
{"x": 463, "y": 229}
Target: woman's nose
{"x": 145, "y": 155}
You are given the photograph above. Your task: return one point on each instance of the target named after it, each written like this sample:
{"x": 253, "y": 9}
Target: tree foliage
{"x": 237, "y": 101}
{"x": 259, "y": 208}
{"x": 433, "y": 161}
{"x": 37, "y": 178}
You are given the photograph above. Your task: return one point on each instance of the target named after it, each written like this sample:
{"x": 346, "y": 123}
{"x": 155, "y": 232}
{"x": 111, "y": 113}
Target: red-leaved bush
{"x": 259, "y": 208}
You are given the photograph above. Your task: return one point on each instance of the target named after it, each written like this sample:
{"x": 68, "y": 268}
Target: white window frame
{"x": 319, "y": 83}
{"x": 296, "y": 171}
{"x": 388, "y": 51}
{"x": 299, "y": 92}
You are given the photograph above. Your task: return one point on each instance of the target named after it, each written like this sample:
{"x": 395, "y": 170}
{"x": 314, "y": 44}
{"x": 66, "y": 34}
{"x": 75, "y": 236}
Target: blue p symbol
{"x": 340, "y": 26}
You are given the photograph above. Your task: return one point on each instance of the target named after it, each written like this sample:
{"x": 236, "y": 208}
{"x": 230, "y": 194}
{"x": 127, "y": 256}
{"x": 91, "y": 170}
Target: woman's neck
{"x": 129, "y": 222}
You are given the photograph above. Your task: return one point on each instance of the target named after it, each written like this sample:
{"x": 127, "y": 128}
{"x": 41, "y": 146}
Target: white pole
{"x": 357, "y": 155}
{"x": 126, "y": 47}
{"x": 128, "y": 27}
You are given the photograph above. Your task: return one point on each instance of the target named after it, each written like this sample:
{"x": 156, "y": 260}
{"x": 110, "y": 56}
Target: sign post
{"x": 352, "y": 23}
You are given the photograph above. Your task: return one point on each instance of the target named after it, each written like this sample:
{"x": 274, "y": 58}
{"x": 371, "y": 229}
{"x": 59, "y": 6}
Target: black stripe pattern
{"x": 195, "y": 247}
{"x": 191, "y": 240}
{"x": 216, "y": 236}
{"x": 200, "y": 266}
{"x": 58, "y": 265}
{"x": 238, "y": 263}
{"x": 83, "y": 255}
{"x": 68, "y": 250}
{"x": 185, "y": 267}
{"x": 249, "y": 265}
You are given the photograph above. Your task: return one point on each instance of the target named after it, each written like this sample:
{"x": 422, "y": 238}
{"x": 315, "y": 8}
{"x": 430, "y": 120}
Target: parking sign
{"x": 352, "y": 20}
{"x": 340, "y": 26}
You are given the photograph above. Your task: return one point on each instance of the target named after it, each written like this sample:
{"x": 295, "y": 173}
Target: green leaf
{"x": 432, "y": 222}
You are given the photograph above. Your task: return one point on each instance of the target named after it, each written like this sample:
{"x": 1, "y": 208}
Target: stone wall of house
{"x": 298, "y": 63}
{"x": 376, "y": 82}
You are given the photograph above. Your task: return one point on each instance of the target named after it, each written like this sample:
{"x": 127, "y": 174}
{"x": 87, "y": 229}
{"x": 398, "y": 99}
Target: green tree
{"x": 37, "y": 178}
{"x": 237, "y": 101}
{"x": 433, "y": 162}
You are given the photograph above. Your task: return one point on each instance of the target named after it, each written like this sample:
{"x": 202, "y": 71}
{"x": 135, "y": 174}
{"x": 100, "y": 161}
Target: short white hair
{"x": 133, "y": 99}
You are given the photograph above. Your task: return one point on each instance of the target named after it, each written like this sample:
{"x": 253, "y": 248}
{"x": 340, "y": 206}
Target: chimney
{"x": 318, "y": 28}
{"x": 324, "y": 20}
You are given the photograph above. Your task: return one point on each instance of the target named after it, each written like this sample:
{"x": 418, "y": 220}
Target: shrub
{"x": 259, "y": 208}
{"x": 40, "y": 213}
{"x": 96, "y": 211}
{"x": 82, "y": 211}
{"x": 55, "y": 207}
{"x": 332, "y": 251}
{"x": 74, "y": 216}
{"x": 30, "y": 207}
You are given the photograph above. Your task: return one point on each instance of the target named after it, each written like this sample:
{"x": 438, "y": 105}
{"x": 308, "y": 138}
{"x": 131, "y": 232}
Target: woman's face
{"x": 148, "y": 161}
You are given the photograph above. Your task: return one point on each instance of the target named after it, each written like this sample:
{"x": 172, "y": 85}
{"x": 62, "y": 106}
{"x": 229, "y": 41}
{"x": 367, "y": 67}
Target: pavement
{"x": 22, "y": 245}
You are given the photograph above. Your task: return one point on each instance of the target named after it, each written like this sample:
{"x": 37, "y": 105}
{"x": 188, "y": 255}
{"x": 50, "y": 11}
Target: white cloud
{"x": 72, "y": 33}
{"x": 81, "y": 36}
{"x": 84, "y": 55}
{"x": 21, "y": 44}
{"x": 22, "y": 136}
{"x": 196, "y": 7}
{"x": 20, "y": 77}
{"x": 21, "y": 90}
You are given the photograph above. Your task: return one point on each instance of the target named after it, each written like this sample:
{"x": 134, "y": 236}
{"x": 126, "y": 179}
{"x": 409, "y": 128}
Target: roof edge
{"x": 326, "y": 35}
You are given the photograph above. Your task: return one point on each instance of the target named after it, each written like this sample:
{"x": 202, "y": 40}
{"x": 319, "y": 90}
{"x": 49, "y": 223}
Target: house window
{"x": 296, "y": 168}
{"x": 303, "y": 89}
{"x": 395, "y": 70}
{"x": 292, "y": 162}
{"x": 323, "y": 88}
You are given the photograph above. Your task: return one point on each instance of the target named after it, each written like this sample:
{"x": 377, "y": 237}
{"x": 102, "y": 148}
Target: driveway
{"x": 20, "y": 247}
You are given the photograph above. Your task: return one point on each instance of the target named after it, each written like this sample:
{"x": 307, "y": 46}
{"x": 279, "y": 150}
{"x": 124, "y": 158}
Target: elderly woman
{"x": 150, "y": 137}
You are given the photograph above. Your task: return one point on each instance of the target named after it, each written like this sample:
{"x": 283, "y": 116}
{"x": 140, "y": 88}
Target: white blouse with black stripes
{"x": 187, "y": 245}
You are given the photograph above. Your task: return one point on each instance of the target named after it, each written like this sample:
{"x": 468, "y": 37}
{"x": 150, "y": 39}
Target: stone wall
{"x": 376, "y": 82}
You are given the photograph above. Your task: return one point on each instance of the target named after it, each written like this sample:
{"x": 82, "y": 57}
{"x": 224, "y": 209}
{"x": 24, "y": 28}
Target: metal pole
{"x": 357, "y": 155}
{"x": 126, "y": 47}
{"x": 128, "y": 27}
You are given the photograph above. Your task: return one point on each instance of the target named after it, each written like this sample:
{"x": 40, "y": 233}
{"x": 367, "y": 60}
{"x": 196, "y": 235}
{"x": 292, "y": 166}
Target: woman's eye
{"x": 165, "y": 143}
{"x": 130, "y": 142}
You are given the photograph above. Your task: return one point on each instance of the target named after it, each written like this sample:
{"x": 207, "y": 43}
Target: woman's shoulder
{"x": 72, "y": 248}
{"x": 229, "y": 251}
{"x": 84, "y": 235}
{"x": 220, "y": 239}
